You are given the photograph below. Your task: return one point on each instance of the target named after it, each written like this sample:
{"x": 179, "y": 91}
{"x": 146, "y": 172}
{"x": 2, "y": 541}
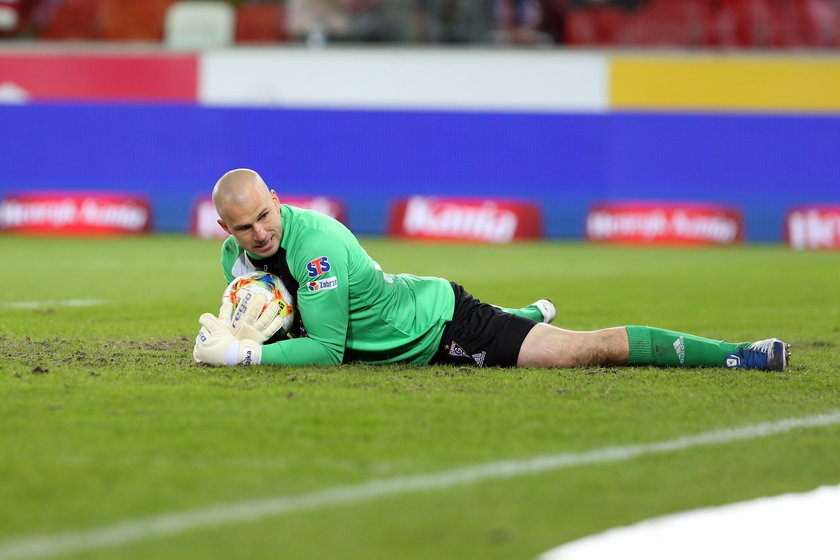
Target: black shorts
{"x": 481, "y": 334}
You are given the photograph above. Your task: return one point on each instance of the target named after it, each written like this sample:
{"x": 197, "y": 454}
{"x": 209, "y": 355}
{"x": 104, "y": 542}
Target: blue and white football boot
{"x": 768, "y": 355}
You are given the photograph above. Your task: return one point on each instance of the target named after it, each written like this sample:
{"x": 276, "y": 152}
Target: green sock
{"x": 660, "y": 347}
{"x": 529, "y": 312}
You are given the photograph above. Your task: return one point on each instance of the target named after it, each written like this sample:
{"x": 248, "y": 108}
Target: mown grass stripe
{"x": 169, "y": 524}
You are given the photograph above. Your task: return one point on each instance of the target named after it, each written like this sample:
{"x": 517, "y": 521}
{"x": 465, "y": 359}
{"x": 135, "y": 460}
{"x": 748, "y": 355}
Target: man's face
{"x": 255, "y": 222}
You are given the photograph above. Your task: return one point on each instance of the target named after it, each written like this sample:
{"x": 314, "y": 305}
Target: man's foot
{"x": 546, "y": 307}
{"x": 770, "y": 355}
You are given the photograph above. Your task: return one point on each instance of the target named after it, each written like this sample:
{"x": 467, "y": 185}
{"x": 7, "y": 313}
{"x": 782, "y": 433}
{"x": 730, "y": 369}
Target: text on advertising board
{"x": 459, "y": 219}
{"x": 664, "y": 223}
{"x": 75, "y": 213}
{"x": 813, "y": 227}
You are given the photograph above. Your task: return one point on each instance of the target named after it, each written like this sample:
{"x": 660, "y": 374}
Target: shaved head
{"x": 236, "y": 188}
{"x": 249, "y": 211}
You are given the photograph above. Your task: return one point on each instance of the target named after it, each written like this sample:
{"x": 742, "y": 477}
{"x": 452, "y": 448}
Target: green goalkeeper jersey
{"x": 350, "y": 309}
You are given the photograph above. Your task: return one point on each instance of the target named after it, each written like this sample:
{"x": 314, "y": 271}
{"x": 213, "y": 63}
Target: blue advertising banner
{"x": 173, "y": 154}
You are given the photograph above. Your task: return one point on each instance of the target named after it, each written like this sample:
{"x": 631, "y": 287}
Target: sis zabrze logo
{"x": 323, "y": 284}
{"x": 317, "y": 267}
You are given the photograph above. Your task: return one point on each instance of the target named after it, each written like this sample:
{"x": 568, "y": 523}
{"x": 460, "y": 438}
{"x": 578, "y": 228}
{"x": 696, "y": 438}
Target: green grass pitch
{"x": 105, "y": 419}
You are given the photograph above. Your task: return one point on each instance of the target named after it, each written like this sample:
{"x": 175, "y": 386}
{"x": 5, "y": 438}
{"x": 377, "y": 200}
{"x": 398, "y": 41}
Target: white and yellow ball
{"x": 261, "y": 288}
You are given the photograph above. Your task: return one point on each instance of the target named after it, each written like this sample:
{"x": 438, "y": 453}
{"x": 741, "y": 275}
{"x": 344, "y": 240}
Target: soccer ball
{"x": 268, "y": 287}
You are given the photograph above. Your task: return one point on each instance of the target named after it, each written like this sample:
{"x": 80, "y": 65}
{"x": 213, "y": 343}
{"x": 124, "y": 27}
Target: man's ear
{"x": 223, "y": 226}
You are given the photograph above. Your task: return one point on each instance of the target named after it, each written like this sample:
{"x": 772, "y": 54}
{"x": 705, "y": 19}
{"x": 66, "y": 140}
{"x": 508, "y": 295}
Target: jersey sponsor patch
{"x": 317, "y": 267}
{"x": 322, "y": 284}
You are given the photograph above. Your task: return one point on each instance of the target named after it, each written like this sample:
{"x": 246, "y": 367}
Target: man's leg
{"x": 547, "y": 346}
{"x": 652, "y": 346}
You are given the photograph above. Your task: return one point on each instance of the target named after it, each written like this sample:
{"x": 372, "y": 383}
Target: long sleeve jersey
{"x": 351, "y": 310}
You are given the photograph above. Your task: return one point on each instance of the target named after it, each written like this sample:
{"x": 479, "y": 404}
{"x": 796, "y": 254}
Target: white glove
{"x": 216, "y": 345}
{"x": 248, "y": 321}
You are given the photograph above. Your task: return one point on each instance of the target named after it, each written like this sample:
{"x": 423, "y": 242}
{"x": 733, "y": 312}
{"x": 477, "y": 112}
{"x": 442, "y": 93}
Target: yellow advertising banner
{"x": 726, "y": 82}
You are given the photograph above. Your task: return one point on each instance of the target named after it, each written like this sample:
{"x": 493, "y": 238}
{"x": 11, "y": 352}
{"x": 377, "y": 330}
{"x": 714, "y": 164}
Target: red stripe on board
{"x": 108, "y": 77}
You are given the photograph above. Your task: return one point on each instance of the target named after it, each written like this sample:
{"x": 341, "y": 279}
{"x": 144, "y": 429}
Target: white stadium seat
{"x": 197, "y": 25}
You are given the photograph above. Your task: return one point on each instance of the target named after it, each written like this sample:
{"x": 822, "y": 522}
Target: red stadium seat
{"x": 261, "y": 22}
{"x": 594, "y": 26}
{"x": 721, "y": 27}
{"x": 820, "y": 23}
{"x": 133, "y": 20}
{"x": 757, "y": 24}
{"x": 73, "y": 20}
{"x": 667, "y": 23}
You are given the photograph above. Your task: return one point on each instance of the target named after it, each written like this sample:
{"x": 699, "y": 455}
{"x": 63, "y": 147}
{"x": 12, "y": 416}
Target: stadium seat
{"x": 820, "y": 22}
{"x": 667, "y": 23}
{"x": 133, "y": 20}
{"x": 720, "y": 27}
{"x": 594, "y": 26}
{"x": 762, "y": 24}
{"x": 788, "y": 31}
{"x": 261, "y": 22}
{"x": 11, "y": 18}
{"x": 73, "y": 20}
{"x": 199, "y": 24}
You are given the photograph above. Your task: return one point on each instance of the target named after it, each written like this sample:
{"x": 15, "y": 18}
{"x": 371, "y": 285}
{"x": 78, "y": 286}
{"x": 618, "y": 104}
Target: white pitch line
{"x": 168, "y": 524}
{"x": 52, "y": 303}
{"x": 792, "y": 525}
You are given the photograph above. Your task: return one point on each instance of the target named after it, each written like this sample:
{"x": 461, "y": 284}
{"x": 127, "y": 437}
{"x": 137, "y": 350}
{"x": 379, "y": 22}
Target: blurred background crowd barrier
{"x": 703, "y": 120}
{"x": 622, "y": 23}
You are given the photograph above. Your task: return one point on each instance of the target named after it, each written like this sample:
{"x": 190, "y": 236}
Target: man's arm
{"x": 323, "y": 301}
{"x": 298, "y": 352}
{"x": 216, "y": 345}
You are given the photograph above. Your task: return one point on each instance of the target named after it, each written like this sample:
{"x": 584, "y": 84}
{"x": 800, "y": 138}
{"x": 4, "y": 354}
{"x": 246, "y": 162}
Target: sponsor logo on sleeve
{"x": 317, "y": 267}
{"x": 322, "y": 284}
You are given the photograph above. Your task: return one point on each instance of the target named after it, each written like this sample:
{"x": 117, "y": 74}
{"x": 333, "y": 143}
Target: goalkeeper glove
{"x": 249, "y": 321}
{"x": 216, "y": 345}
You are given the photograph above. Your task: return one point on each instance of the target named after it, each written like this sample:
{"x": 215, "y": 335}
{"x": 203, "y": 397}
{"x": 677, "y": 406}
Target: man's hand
{"x": 216, "y": 345}
{"x": 249, "y": 321}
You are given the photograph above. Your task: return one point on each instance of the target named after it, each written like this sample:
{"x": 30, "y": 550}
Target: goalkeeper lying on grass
{"x": 354, "y": 312}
